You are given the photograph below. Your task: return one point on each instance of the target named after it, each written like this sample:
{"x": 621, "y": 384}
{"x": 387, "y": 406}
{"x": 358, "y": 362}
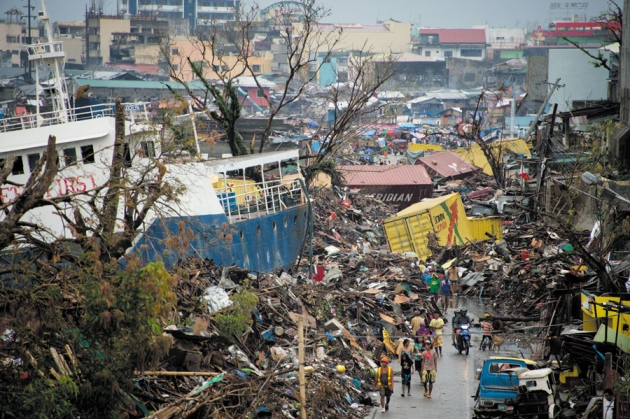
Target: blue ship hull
{"x": 261, "y": 244}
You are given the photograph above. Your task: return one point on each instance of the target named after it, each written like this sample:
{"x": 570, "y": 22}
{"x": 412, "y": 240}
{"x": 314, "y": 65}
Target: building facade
{"x": 197, "y": 12}
{"x": 451, "y": 43}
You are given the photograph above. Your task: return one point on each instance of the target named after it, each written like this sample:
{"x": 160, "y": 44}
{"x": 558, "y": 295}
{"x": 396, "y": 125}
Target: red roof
{"x": 457, "y": 36}
{"x": 385, "y": 175}
{"x": 447, "y": 164}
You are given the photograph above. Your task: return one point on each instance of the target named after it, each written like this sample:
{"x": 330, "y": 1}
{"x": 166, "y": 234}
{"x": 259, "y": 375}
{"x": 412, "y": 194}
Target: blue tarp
{"x": 370, "y": 132}
{"x": 406, "y": 125}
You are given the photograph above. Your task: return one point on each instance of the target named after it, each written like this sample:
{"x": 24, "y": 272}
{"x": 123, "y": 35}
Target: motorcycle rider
{"x": 459, "y": 320}
{"x": 454, "y": 324}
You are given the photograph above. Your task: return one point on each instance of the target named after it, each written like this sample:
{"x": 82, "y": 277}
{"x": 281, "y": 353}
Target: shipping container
{"x": 440, "y": 219}
{"x": 480, "y": 226}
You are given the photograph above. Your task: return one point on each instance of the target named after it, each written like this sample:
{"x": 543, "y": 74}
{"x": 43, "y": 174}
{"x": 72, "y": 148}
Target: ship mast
{"x": 50, "y": 57}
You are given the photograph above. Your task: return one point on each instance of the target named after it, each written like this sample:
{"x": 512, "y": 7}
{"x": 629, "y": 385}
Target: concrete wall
{"x": 73, "y": 48}
{"x": 190, "y": 47}
{"x": 537, "y": 78}
{"x": 464, "y": 73}
{"x": 581, "y": 80}
{"x": 388, "y": 37}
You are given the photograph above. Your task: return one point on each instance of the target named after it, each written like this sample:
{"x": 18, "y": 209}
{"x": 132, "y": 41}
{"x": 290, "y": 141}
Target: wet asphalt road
{"x": 455, "y": 384}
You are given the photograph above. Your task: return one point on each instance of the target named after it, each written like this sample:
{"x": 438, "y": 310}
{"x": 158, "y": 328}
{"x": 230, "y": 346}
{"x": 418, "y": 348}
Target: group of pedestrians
{"x": 442, "y": 284}
{"x": 419, "y": 356}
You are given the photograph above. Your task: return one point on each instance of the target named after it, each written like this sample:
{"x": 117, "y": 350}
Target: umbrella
{"x": 368, "y": 151}
{"x": 399, "y": 141}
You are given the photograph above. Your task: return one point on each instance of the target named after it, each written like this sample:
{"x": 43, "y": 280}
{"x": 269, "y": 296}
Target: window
{"x": 500, "y": 38}
{"x": 13, "y": 39}
{"x": 18, "y": 166}
{"x": 472, "y": 53}
{"x": 33, "y": 159}
{"x": 87, "y": 154}
{"x": 471, "y": 77}
{"x": 427, "y": 53}
{"x": 69, "y": 156}
{"x": 448, "y": 54}
{"x": 148, "y": 148}
{"x": 256, "y": 68}
{"x": 175, "y": 51}
{"x": 260, "y": 93}
{"x": 175, "y": 67}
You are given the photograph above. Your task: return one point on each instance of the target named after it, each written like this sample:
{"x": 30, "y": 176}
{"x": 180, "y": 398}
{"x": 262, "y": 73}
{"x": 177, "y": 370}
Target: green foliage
{"x": 42, "y": 398}
{"x": 117, "y": 330}
{"x": 237, "y": 319}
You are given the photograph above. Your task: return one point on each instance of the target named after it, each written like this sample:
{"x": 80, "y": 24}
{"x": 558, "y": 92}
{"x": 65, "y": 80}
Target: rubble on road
{"x": 354, "y": 307}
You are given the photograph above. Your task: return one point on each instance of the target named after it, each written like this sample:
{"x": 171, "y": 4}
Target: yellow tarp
{"x": 474, "y": 155}
{"x": 242, "y": 189}
{"x": 424, "y": 147}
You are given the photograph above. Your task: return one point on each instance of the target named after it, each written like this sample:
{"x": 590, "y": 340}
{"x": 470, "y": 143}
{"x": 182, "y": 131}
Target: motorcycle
{"x": 463, "y": 339}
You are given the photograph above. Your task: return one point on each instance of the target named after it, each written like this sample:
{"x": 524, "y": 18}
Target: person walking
{"x": 419, "y": 348}
{"x": 486, "y": 327}
{"x": 429, "y": 369}
{"x": 406, "y": 366}
{"x": 367, "y": 246}
{"x": 452, "y": 273}
{"x": 608, "y": 404}
{"x": 416, "y": 321}
{"x": 434, "y": 286}
{"x": 385, "y": 383}
{"x": 446, "y": 292}
{"x": 437, "y": 324}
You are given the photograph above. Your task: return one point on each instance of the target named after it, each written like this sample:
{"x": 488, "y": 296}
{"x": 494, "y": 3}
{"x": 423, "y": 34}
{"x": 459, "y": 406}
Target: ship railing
{"x": 45, "y": 50}
{"x": 267, "y": 197}
{"x": 134, "y": 112}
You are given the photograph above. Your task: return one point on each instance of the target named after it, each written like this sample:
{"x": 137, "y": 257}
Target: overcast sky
{"x": 426, "y": 13}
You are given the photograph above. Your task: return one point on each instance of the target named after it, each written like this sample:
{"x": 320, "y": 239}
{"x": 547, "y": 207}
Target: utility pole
{"x": 29, "y": 42}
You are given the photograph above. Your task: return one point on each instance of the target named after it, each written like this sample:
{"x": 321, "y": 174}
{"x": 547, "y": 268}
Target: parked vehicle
{"x": 536, "y": 396}
{"x": 463, "y": 339}
{"x": 498, "y": 383}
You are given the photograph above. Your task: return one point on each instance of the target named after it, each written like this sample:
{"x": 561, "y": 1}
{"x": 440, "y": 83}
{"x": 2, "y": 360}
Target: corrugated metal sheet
{"x": 479, "y": 226}
{"x": 474, "y": 155}
{"x": 447, "y": 165}
{"x": 359, "y": 176}
{"x": 400, "y": 186}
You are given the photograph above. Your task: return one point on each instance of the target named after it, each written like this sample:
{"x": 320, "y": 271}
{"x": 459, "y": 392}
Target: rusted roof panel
{"x": 447, "y": 164}
{"x": 359, "y": 176}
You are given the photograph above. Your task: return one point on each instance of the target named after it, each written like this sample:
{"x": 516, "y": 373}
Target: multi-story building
{"x": 567, "y": 32}
{"x": 99, "y": 36}
{"x": 181, "y": 49}
{"x": 457, "y": 43}
{"x": 13, "y": 38}
{"x": 505, "y": 43}
{"x": 197, "y": 12}
{"x": 73, "y": 36}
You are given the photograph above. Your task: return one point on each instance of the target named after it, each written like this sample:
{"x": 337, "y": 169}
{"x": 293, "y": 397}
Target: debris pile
{"x": 351, "y": 316}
